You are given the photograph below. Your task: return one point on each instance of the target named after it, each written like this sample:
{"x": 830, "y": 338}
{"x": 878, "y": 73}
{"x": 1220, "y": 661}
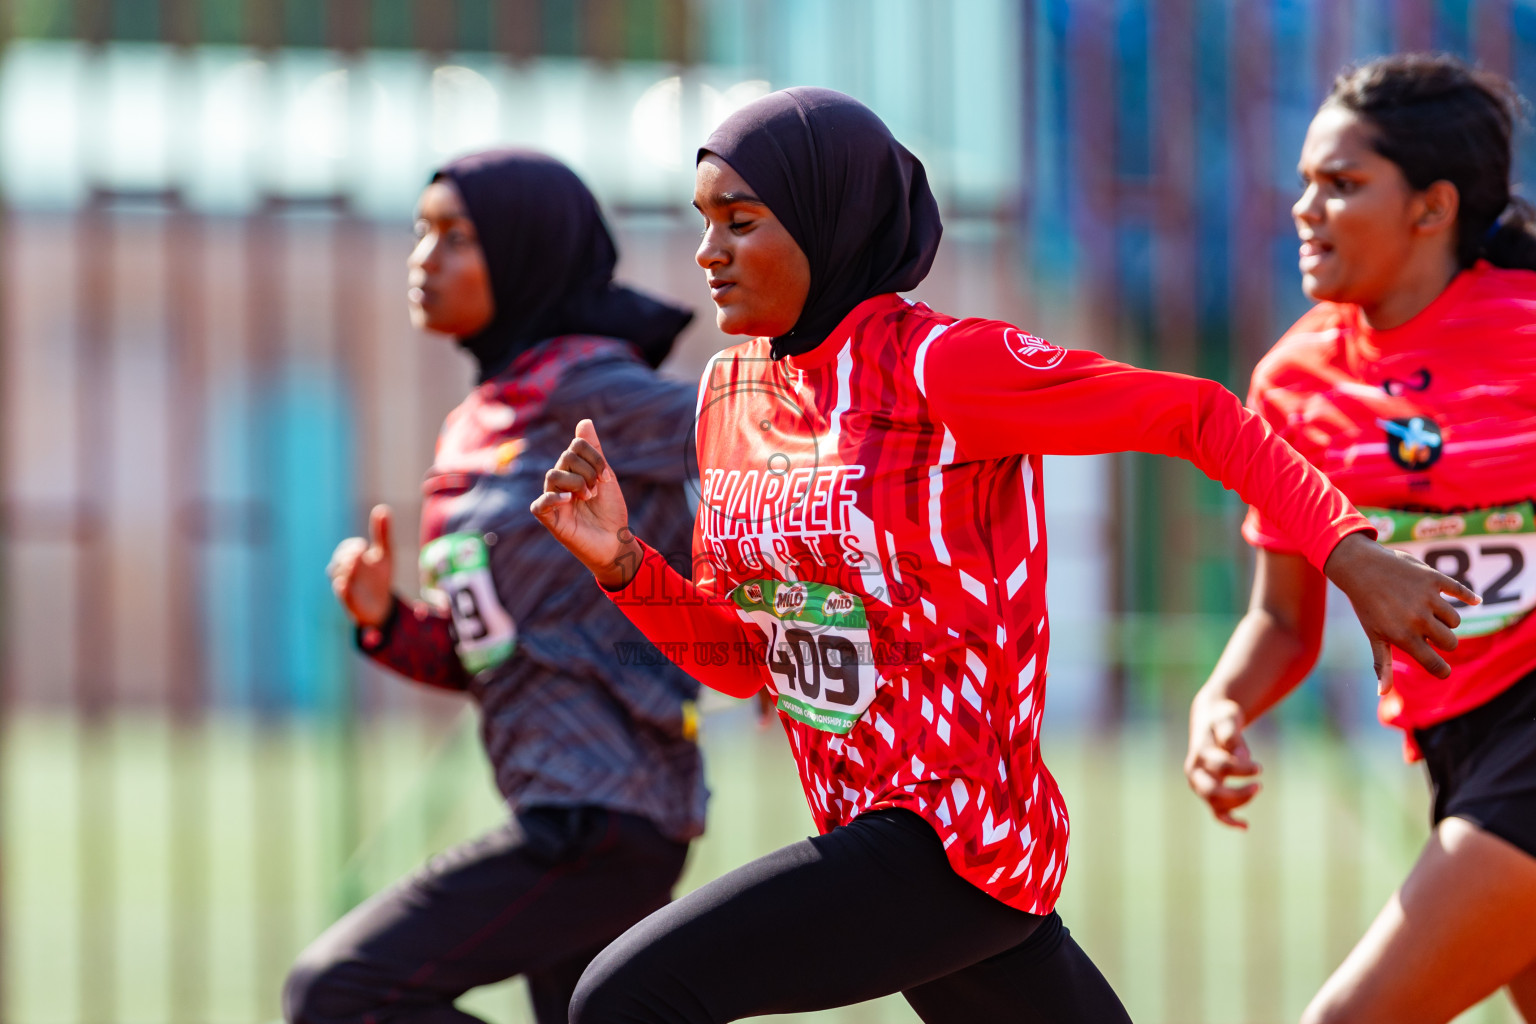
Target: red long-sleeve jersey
{"x": 871, "y": 546}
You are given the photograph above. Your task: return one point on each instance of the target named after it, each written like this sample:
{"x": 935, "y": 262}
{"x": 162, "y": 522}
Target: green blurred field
{"x": 118, "y": 908}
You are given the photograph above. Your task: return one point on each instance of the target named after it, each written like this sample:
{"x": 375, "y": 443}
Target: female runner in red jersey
{"x": 1412, "y": 383}
{"x": 871, "y": 547}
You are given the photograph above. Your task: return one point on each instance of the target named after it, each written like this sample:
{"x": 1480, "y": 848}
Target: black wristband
{"x": 372, "y": 639}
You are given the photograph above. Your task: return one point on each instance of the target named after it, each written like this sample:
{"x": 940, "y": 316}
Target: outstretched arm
{"x": 1000, "y": 393}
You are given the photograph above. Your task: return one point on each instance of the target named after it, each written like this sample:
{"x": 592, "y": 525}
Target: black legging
{"x": 538, "y": 897}
{"x": 866, "y": 910}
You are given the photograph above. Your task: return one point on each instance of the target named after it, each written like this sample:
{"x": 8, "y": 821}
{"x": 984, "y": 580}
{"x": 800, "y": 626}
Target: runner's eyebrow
{"x": 1331, "y": 167}
{"x": 729, "y": 199}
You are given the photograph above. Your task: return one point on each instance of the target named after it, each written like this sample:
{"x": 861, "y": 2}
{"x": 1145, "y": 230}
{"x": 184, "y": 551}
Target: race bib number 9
{"x": 818, "y": 650}
{"x": 456, "y": 575}
{"x": 1492, "y": 551}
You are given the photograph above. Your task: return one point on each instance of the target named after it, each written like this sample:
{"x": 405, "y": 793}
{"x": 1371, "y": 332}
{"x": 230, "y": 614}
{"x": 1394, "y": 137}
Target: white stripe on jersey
{"x": 709, "y": 368}
{"x": 922, "y": 356}
{"x": 828, "y": 443}
{"x": 1029, "y": 502}
{"x": 973, "y": 586}
{"x": 1018, "y": 576}
{"x": 936, "y": 493}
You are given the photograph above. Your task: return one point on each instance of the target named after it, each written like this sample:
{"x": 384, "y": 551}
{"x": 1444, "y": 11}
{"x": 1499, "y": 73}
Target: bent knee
{"x": 317, "y": 991}
{"x": 598, "y": 995}
{"x": 615, "y": 987}
{"x": 297, "y": 989}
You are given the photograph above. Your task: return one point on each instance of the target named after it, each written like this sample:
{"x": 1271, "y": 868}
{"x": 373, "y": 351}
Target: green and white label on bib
{"x": 456, "y": 575}
{"x": 818, "y": 649}
{"x": 1489, "y": 550}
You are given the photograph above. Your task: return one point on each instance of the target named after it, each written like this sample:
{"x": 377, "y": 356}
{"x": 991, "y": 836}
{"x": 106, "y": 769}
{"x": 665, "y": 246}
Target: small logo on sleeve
{"x": 1414, "y": 442}
{"x": 1033, "y": 352}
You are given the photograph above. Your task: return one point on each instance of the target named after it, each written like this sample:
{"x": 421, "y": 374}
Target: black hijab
{"x": 852, "y": 197}
{"x": 551, "y": 261}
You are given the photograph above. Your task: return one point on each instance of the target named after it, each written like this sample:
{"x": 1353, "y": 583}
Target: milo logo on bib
{"x": 838, "y": 604}
{"x": 818, "y": 650}
{"x": 789, "y": 600}
{"x": 1491, "y": 551}
{"x": 1439, "y": 527}
{"x": 1509, "y": 521}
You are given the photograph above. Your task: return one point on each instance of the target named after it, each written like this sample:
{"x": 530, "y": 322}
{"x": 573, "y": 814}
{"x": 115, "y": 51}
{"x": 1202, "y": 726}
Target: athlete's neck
{"x": 1416, "y": 287}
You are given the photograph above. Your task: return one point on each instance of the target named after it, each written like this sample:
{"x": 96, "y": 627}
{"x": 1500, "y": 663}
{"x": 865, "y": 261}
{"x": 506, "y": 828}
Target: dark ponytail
{"x": 1439, "y": 120}
{"x": 1511, "y": 240}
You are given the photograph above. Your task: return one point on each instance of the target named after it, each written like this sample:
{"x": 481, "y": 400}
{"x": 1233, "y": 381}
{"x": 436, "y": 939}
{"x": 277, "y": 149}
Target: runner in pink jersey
{"x": 1412, "y": 383}
{"x": 871, "y": 547}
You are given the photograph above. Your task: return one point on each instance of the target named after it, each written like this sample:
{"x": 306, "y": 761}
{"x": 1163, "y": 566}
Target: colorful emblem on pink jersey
{"x": 1414, "y": 442}
{"x": 1033, "y": 352}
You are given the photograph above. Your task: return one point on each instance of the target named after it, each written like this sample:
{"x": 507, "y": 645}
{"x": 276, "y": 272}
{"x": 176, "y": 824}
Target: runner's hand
{"x": 361, "y": 570}
{"x": 1218, "y": 753}
{"x": 1400, "y": 602}
{"x": 584, "y": 508}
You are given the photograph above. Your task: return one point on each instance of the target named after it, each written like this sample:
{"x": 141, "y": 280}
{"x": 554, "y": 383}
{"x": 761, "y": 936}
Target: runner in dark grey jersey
{"x": 589, "y": 730}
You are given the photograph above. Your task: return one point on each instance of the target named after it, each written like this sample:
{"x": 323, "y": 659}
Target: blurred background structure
{"x": 207, "y": 377}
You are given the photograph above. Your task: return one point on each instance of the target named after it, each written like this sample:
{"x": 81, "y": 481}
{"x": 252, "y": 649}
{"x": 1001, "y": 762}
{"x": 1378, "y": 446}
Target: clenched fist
{"x": 1219, "y": 766}
{"x": 361, "y": 570}
{"x": 585, "y": 510}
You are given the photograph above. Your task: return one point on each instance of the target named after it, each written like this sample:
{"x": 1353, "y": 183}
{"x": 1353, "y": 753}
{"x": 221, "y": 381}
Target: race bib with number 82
{"x": 818, "y": 650}
{"x": 456, "y": 575}
{"x": 1491, "y": 551}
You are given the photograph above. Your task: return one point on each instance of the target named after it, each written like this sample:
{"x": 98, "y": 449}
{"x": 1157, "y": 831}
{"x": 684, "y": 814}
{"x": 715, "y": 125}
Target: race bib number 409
{"x": 456, "y": 575}
{"x": 1491, "y": 551}
{"x": 818, "y": 650}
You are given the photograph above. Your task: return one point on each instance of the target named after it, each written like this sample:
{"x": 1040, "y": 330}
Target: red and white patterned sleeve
{"x": 697, "y": 630}
{"x": 1000, "y": 392}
